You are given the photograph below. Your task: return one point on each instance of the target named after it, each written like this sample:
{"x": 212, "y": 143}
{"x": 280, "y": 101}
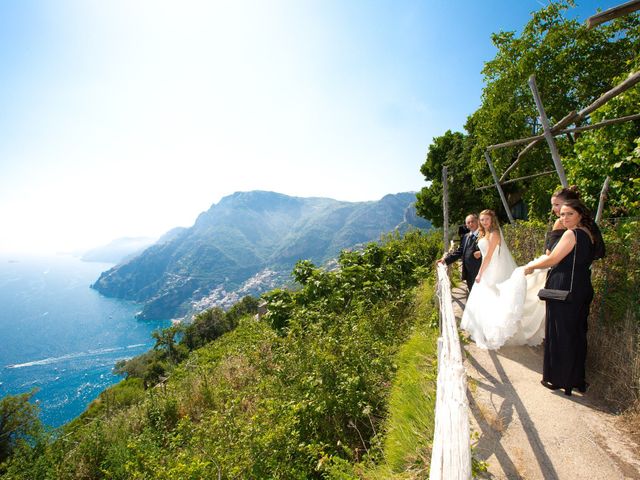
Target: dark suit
{"x": 470, "y": 264}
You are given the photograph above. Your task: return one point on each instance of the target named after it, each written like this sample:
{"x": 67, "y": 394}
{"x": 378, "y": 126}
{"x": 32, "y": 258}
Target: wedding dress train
{"x": 503, "y": 308}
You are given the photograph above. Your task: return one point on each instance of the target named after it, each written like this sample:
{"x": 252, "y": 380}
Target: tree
{"x": 137, "y": 367}
{"x": 610, "y": 151}
{"x": 19, "y": 422}
{"x": 166, "y": 341}
{"x": 453, "y": 150}
{"x": 573, "y": 66}
{"x": 205, "y": 327}
{"x": 247, "y": 306}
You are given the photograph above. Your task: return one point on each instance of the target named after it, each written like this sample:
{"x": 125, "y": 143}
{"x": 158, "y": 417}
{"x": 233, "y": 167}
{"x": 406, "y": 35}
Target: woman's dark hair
{"x": 587, "y": 222}
{"x": 570, "y": 193}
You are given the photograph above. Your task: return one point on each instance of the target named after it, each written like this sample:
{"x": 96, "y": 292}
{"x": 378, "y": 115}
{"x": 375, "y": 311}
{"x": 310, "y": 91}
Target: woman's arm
{"x": 561, "y": 250}
{"x": 494, "y": 241}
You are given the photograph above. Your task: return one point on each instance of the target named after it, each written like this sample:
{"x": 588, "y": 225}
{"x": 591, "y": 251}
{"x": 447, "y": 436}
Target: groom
{"x": 468, "y": 251}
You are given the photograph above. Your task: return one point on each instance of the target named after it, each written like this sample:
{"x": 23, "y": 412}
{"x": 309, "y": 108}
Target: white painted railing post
{"x": 451, "y": 452}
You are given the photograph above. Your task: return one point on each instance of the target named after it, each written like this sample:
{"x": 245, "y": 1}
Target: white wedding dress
{"x": 503, "y": 308}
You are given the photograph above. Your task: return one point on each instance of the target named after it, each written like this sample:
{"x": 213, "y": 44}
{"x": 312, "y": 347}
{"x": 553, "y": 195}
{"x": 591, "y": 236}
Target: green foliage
{"x": 478, "y": 467}
{"x": 214, "y": 322}
{"x": 573, "y": 65}
{"x": 280, "y": 308}
{"x": 19, "y": 423}
{"x": 149, "y": 366}
{"x": 610, "y": 151}
{"x": 174, "y": 343}
{"x": 128, "y": 392}
{"x": 408, "y": 429}
{"x": 302, "y": 399}
{"x": 247, "y": 306}
{"x": 616, "y": 278}
{"x": 205, "y": 327}
{"x": 526, "y": 239}
{"x": 453, "y": 150}
{"x": 167, "y": 343}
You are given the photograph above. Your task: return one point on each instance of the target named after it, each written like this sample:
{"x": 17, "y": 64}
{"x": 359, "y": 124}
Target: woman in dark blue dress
{"x": 565, "y": 347}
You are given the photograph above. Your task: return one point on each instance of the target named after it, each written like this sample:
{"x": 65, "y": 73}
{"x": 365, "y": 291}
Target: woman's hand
{"x": 477, "y": 255}
{"x": 478, "y": 278}
{"x": 528, "y": 270}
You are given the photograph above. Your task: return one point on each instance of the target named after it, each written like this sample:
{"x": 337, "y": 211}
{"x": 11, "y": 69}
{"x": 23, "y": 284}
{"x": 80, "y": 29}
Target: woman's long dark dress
{"x": 565, "y": 345}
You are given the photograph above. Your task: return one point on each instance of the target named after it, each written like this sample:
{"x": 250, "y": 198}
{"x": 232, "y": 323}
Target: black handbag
{"x": 556, "y": 295}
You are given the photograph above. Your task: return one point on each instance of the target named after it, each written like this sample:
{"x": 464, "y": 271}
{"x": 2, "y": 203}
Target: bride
{"x": 503, "y": 307}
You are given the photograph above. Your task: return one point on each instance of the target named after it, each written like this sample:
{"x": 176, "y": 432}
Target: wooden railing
{"x": 451, "y": 452}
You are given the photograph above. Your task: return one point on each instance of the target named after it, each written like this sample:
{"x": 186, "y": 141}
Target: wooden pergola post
{"x": 548, "y": 134}
{"x": 445, "y": 209}
{"x": 497, "y": 184}
{"x": 603, "y": 198}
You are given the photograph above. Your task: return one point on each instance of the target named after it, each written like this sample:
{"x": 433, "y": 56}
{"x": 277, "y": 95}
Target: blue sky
{"x": 129, "y": 117}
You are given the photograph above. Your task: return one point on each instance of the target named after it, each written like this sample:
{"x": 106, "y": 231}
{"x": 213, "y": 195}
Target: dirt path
{"x": 525, "y": 431}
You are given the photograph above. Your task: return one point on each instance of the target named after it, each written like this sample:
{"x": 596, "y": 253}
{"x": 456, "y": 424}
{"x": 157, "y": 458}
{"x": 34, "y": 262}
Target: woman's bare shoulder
{"x": 568, "y": 236}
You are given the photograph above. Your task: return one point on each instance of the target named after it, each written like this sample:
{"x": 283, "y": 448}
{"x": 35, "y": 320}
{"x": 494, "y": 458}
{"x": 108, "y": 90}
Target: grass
{"x": 408, "y": 433}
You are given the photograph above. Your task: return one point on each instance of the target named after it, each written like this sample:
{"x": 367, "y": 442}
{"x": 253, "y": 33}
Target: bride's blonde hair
{"x": 494, "y": 222}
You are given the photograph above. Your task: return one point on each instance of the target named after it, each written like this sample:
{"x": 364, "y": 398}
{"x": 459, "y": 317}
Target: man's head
{"x": 471, "y": 222}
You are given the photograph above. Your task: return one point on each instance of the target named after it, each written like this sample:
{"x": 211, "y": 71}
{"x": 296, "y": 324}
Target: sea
{"x": 60, "y": 337}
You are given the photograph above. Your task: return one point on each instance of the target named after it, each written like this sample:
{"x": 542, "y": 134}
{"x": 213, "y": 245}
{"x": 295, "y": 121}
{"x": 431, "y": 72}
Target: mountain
{"x": 118, "y": 250}
{"x": 246, "y": 244}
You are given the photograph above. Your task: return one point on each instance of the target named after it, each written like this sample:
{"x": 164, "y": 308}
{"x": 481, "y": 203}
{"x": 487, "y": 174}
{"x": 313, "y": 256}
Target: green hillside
{"x": 302, "y": 392}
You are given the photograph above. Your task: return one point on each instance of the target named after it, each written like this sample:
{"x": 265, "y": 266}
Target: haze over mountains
{"x": 118, "y": 250}
{"x": 247, "y": 244}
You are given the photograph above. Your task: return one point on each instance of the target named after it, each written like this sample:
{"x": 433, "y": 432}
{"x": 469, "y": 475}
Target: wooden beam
{"x": 603, "y": 198}
{"x": 548, "y": 172}
{"x": 445, "y": 209}
{"x": 498, "y": 187}
{"x": 567, "y": 131}
{"x": 631, "y": 80}
{"x": 604, "y": 123}
{"x": 561, "y": 131}
{"x": 526, "y": 150}
{"x": 566, "y": 120}
{"x": 612, "y": 13}
{"x": 513, "y": 143}
{"x": 536, "y": 138}
{"x": 548, "y": 134}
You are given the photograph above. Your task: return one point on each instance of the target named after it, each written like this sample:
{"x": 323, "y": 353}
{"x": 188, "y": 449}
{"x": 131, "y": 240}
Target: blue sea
{"x": 61, "y": 337}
